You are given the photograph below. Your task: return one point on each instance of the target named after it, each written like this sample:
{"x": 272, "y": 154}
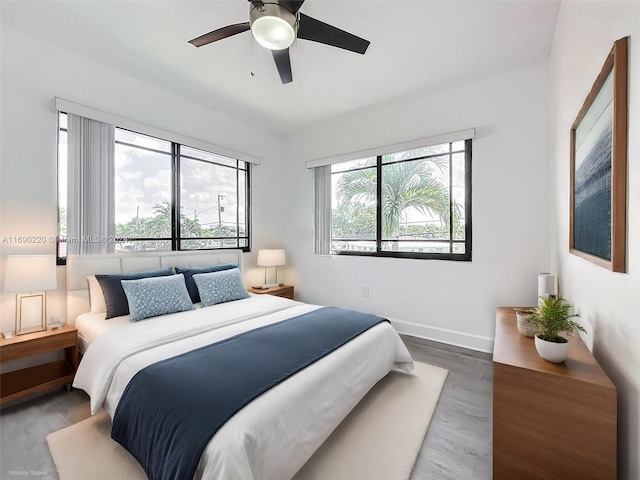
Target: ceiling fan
{"x": 276, "y": 24}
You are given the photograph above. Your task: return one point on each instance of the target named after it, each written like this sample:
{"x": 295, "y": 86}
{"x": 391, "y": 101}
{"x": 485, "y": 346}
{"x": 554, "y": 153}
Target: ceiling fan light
{"x": 272, "y": 26}
{"x": 273, "y": 33}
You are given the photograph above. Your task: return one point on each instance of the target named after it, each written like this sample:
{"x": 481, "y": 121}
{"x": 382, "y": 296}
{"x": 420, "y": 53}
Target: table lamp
{"x": 271, "y": 258}
{"x": 29, "y": 276}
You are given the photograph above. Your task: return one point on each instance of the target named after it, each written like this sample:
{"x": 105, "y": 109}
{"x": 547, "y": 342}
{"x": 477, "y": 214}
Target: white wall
{"x": 444, "y": 300}
{"x": 33, "y": 73}
{"x": 609, "y": 303}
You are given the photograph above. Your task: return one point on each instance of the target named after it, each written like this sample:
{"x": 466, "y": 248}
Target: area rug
{"x": 379, "y": 440}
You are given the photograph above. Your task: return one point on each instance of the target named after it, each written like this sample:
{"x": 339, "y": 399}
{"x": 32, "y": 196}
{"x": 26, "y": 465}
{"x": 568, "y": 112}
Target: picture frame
{"x": 598, "y": 189}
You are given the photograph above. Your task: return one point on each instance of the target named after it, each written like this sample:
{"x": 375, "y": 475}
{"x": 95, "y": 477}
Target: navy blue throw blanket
{"x": 170, "y": 410}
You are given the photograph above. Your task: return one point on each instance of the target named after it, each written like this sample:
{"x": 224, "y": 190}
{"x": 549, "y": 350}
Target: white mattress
{"x": 92, "y": 325}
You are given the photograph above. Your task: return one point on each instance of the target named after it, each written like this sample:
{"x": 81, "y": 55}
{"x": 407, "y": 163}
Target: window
{"x": 168, "y": 196}
{"x": 414, "y": 203}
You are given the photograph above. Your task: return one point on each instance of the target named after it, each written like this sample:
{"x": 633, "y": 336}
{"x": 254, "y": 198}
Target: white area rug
{"x": 379, "y": 440}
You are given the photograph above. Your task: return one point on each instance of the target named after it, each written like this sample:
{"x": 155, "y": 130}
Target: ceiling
{"x": 417, "y": 48}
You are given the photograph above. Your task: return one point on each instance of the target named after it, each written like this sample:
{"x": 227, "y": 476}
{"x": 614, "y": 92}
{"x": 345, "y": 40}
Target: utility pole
{"x": 220, "y": 209}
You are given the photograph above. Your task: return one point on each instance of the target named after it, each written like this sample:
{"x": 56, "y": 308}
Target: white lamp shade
{"x": 30, "y": 273}
{"x": 271, "y": 258}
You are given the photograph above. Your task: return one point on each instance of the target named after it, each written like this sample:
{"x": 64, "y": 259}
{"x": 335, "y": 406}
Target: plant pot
{"x": 525, "y": 327}
{"x": 552, "y": 351}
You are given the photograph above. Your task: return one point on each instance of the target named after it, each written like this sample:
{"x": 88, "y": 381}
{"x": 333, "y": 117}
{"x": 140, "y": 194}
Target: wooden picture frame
{"x": 598, "y": 191}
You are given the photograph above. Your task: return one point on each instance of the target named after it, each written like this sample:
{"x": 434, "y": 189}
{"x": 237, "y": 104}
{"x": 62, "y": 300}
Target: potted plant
{"x": 552, "y": 316}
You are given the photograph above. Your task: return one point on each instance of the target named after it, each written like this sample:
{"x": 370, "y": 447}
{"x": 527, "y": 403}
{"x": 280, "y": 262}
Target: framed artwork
{"x": 598, "y": 192}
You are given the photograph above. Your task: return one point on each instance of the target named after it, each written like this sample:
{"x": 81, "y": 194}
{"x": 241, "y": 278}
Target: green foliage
{"x": 404, "y": 185}
{"x": 159, "y": 226}
{"x": 411, "y": 184}
{"x": 354, "y": 221}
{"x": 552, "y": 317}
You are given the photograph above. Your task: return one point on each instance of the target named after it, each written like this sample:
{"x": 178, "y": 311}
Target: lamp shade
{"x": 271, "y": 258}
{"x": 30, "y": 273}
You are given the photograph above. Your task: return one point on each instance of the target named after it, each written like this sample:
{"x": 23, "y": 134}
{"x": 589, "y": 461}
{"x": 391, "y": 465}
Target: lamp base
{"x": 30, "y": 312}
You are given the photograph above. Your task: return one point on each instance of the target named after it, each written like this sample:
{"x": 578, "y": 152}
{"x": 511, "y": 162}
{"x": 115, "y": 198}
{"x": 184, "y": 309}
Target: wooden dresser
{"x": 550, "y": 421}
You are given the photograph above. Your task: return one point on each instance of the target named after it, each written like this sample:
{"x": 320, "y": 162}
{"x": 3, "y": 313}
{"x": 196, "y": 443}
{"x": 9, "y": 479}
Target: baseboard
{"x": 444, "y": 335}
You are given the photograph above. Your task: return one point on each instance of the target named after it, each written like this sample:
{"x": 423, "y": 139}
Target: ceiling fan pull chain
{"x": 253, "y": 73}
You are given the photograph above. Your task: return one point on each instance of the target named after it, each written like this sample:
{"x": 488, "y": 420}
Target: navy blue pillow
{"x": 114, "y": 296}
{"x": 188, "y": 273}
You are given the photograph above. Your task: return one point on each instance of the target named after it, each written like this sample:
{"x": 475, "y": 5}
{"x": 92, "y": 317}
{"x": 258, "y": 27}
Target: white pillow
{"x": 98, "y": 304}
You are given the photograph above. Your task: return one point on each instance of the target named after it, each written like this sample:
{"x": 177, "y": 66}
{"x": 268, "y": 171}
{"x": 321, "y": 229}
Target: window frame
{"x": 468, "y": 240}
{"x": 175, "y": 222}
{"x": 175, "y": 190}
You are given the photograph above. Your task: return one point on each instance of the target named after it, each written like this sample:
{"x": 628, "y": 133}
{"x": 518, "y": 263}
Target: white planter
{"x": 552, "y": 351}
{"x": 524, "y": 326}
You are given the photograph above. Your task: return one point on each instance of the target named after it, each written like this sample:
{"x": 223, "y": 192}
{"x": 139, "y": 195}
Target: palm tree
{"x": 404, "y": 185}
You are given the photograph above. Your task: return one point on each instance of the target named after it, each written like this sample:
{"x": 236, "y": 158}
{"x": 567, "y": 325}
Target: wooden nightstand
{"x": 20, "y": 383}
{"x": 285, "y": 291}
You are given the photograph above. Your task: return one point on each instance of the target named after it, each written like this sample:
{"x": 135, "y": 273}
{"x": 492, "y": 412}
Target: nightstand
{"x": 285, "y": 291}
{"x": 20, "y": 383}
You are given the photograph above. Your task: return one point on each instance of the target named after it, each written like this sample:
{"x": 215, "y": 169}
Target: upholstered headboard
{"x": 80, "y": 266}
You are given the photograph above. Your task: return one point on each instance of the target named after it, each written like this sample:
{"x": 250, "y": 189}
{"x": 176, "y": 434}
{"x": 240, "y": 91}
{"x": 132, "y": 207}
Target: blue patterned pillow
{"x": 220, "y": 287}
{"x": 114, "y": 297}
{"x": 149, "y": 297}
{"x": 191, "y": 271}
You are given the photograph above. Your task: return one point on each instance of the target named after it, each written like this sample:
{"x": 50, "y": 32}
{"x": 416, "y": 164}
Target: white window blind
{"x": 322, "y": 194}
{"x": 90, "y": 189}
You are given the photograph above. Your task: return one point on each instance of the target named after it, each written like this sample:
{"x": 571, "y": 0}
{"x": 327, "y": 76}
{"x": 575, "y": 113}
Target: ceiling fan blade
{"x": 219, "y": 34}
{"x": 292, "y": 6}
{"x": 283, "y": 62}
{"x": 317, "y": 31}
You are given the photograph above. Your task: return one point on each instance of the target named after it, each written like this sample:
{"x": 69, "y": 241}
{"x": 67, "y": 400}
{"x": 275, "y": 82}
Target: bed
{"x": 279, "y": 430}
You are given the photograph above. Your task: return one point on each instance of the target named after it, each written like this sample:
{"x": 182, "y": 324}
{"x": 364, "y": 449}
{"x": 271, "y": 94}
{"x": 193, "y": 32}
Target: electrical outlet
{"x": 365, "y": 291}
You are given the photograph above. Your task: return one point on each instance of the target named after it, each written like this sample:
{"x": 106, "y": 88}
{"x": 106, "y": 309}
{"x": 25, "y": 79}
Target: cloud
{"x": 129, "y": 174}
{"x": 161, "y": 180}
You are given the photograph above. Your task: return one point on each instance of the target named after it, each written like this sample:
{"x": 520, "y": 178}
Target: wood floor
{"x": 458, "y": 442}
{"x": 457, "y": 445}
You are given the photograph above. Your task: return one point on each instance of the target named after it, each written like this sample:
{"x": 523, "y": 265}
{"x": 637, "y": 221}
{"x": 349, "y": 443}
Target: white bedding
{"x": 277, "y": 433}
{"x": 92, "y": 325}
